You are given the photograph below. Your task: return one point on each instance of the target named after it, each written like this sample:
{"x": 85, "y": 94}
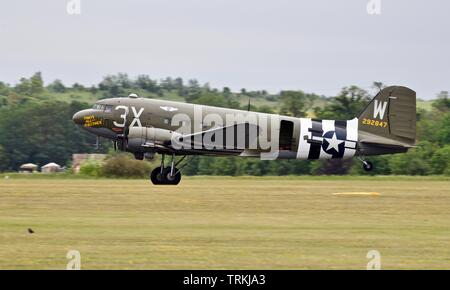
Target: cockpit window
{"x": 98, "y": 107}
{"x": 108, "y": 108}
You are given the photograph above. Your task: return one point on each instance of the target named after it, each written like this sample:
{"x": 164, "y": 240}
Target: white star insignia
{"x": 333, "y": 142}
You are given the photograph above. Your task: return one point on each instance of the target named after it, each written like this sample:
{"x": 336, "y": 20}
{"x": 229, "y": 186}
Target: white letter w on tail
{"x": 379, "y": 108}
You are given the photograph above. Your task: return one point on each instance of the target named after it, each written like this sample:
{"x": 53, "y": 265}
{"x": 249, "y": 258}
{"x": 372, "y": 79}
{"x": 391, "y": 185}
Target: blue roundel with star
{"x": 332, "y": 145}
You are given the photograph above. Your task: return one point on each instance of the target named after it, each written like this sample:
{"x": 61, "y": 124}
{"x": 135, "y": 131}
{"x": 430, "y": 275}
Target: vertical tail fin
{"x": 390, "y": 117}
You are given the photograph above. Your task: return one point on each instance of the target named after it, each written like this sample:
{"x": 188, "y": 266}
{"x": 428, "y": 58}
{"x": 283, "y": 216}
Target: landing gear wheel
{"x": 172, "y": 179}
{"x": 167, "y": 175}
{"x": 368, "y": 166}
{"x": 165, "y": 178}
{"x": 156, "y": 176}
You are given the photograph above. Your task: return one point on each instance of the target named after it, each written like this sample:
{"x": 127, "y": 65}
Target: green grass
{"x": 225, "y": 223}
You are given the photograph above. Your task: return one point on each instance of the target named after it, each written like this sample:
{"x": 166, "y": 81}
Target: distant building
{"x": 51, "y": 168}
{"x": 78, "y": 159}
{"x": 28, "y": 168}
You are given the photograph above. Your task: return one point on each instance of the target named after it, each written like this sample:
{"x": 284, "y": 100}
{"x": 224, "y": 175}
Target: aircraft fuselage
{"x": 298, "y": 138}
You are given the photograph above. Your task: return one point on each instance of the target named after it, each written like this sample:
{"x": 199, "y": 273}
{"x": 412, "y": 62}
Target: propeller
{"x": 122, "y": 141}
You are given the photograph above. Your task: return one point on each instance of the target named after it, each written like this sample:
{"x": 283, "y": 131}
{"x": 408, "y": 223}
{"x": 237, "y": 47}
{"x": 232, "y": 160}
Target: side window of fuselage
{"x": 108, "y": 108}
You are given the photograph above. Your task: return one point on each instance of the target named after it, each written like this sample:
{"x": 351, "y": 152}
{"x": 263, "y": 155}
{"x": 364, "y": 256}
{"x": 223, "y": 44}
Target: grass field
{"x": 225, "y": 223}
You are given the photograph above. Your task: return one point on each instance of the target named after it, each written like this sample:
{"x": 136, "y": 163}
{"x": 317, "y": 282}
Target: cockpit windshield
{"x": 98, "y": 107}
{"x": 106, "y": 108}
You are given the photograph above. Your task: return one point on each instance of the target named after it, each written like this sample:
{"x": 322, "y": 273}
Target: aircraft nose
{"x": 88, "y": 118}
{"x": 78, "y": 118}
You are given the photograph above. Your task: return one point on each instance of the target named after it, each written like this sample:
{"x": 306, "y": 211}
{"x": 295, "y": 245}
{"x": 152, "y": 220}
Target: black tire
{"x": 156, "y": 176}
{"x": 368, "y": 166}
{"x": 172, "y": 180}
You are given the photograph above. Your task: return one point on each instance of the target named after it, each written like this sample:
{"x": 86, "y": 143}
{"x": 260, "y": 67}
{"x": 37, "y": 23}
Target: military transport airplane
{"x": 147, "y": 126}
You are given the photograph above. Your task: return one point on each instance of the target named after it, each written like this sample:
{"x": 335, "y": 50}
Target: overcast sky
{"x": 314, "y": 45}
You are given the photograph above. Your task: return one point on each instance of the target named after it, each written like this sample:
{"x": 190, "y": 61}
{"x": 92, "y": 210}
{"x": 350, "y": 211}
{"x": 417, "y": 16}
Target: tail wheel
{"x": 368, "y": 166}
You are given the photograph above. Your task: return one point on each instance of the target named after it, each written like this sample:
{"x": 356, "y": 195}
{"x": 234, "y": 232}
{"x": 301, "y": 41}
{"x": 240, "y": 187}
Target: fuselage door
{"x": 286, "y": 135}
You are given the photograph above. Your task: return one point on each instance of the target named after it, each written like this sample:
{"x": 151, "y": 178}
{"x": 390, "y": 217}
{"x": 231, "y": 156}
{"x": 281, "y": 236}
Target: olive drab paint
{"x": 387, "y": 125}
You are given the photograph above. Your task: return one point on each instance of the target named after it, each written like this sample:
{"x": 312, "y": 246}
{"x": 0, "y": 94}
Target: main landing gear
{"x": 367, "y": 165}
{"x": 167, "y": 176}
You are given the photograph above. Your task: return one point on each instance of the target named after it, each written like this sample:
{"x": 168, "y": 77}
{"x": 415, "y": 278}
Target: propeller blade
{"x": 126, "y": 131}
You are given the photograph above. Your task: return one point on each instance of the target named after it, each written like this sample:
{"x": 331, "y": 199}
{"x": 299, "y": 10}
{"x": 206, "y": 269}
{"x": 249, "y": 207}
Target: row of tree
{"x": 36, "y": 125}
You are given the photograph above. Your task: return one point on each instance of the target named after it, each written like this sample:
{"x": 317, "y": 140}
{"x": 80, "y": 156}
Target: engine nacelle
{"x": 140, "y": 138}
